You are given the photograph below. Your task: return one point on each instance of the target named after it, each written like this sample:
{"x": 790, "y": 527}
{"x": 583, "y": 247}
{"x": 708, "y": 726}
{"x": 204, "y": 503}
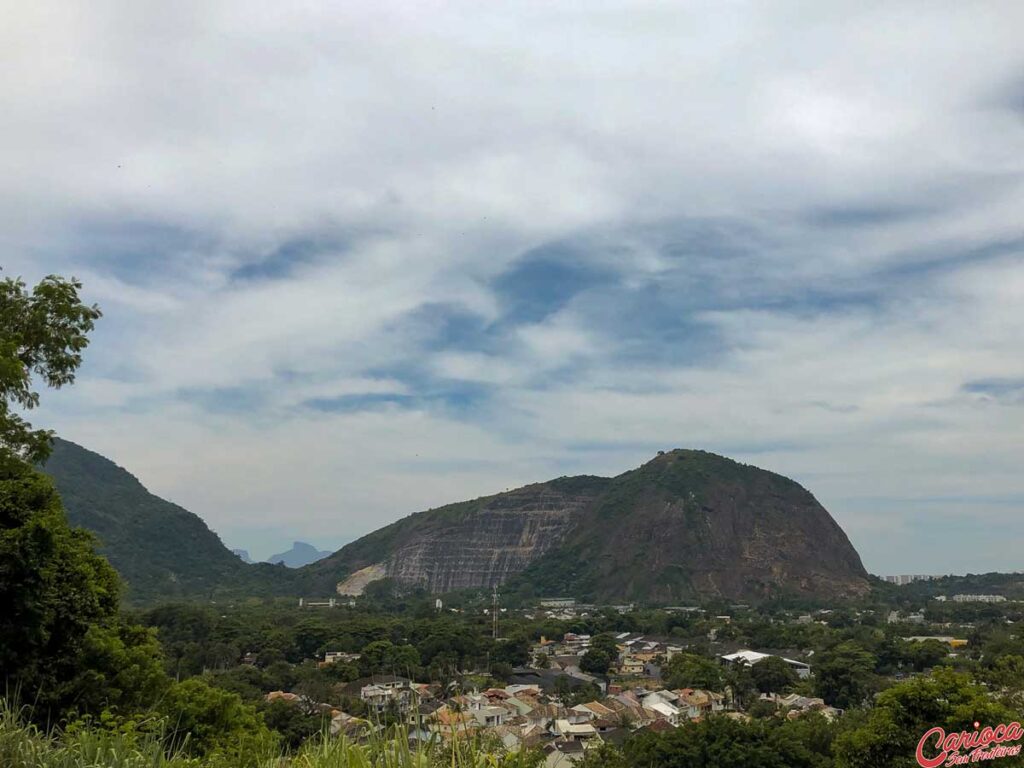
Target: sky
{"x": 362, "y": 259}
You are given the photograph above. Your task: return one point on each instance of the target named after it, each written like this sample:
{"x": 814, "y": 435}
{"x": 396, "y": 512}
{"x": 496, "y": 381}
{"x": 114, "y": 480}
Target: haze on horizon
{"x": 357, "y": 262}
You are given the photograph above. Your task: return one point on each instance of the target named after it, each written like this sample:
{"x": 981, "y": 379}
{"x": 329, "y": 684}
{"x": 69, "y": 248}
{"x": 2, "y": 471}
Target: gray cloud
{"x": 346, "y": 252}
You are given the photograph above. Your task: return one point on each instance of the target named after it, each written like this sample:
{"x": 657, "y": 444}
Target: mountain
{"x": 687, "y": 524}
{"x": 243, "y": 555}
{"x": 162, "y": 551}
{"x": 299, "y": 555}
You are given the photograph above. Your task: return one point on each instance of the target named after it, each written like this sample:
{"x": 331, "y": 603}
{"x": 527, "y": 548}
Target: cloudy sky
{"x": 359, "y": 259}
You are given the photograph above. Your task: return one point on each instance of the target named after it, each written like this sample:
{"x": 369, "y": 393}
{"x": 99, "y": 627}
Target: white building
{"x": 750, "y": 658}
{"x": 979, "y": 599}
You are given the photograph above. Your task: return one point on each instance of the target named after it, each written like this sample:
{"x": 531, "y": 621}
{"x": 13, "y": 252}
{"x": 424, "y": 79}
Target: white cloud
{"x": 809, "y": 198}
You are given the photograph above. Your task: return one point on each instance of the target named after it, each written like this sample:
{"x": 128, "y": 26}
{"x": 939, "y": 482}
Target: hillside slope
{"x": 688, "y": 524}
{"x": 162, "y": 551}
{"x": 694, "y": 524}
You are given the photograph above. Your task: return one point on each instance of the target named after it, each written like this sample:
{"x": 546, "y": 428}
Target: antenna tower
{"x": 494, "y": 613}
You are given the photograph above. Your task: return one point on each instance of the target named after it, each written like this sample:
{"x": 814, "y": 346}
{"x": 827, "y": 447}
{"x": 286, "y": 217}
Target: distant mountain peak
{"x": 299, "y": 555}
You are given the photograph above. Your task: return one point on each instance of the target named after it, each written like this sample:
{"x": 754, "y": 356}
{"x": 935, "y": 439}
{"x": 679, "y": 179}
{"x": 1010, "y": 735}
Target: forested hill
{"x": 161, "y": 550}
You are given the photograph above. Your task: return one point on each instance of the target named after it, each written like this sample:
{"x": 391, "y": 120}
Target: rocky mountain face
{"x": 480, "y": 543}
{"x": 688, "y": 524}
{"x": 495, "y": 539}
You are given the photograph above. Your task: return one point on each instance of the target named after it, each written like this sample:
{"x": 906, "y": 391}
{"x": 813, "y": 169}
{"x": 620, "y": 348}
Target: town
{"x": 567, "y": 678}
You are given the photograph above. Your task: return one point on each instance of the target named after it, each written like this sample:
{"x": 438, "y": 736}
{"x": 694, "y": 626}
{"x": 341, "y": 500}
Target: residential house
{"x": 340, "y": 657}
{"x": 631, "y": 665}
{"x": 569, "y": 731}
{"x": 699, "y": 703}
{"x": 798, "y": 705}
{"x": 490, "y": 716}
{"x": 562, "y": 754}
{"x": 384, "y": 691}
{"x": 593, "y": 710}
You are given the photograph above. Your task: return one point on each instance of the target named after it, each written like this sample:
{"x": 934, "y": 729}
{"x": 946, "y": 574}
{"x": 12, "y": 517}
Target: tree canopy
{"x": 58, "y": 595}
{"x": 688, "y": 670}
{"x": 42, "y": 333}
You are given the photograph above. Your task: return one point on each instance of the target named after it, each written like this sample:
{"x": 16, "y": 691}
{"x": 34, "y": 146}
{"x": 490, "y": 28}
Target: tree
{"x": 719, "y": 742}
{"x": 203, "y": 720}
{"x": 515, "y": 651}
{"x": 315, "y": 688}
{"x": 845, "y": 674}
{"x": 501, "y": 670}
{"x": 291, "y": 723}
{"x": 54, "y": 589}
{"x": 121, "y": 671}
{"x": 572, "y": 692}
{"x": 760, "y": 709}
{"x": 688, "y": 670}
{"x": 925, "y": 655}
{"x": 385, "y": 656}
{"x": 62, "y": 645}
{"x": 1006, "y": 675}
{"x": 42, "y": 332}
{"x": 889, "y": 734}
{"x": 773, "y": 675}
{"x": 595, "y": 661}
{"x": 605, "y": 643}
{"x": 604, "y": 756}
{"x": 248, "y": 682}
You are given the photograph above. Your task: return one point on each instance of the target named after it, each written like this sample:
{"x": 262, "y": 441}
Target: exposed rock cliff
{"x": 479, "y": 543}
{"x": 686, "y": 524}
{"x": 494, "y": 542}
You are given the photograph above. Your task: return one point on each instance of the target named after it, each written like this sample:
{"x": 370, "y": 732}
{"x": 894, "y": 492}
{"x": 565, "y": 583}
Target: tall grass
{"x": 24, "y": 746}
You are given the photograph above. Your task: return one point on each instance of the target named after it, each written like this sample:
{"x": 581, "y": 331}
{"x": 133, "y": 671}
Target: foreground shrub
{"x": 154, "y": 744}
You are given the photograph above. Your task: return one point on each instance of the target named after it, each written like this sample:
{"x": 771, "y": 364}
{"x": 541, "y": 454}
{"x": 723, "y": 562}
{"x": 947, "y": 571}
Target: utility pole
{"x": 494, "y": 613}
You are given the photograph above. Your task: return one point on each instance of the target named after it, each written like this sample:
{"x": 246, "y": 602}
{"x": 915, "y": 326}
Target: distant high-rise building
{"x": 904, "y": 579}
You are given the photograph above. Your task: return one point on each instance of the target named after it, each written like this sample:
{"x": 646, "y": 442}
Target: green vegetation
{"x": 662, "y": 532}
{"x": 42, "y": 333}
{"x": 602, "y": 652}
{"x": 161, "y": 550}
{"x": 720, "y": 742}
{"x": 889, "y": 733}
{"x": 59, "y": 631}
{"x": 844, "y": 674}
{"x": 62, "y": 641}
{"x": 152, "y": 745}
{"x": 773, "y": 675}
{"x": 692, "y": 513}
{"x": 236, "y": 683}
{"x": 689, "y": 670}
